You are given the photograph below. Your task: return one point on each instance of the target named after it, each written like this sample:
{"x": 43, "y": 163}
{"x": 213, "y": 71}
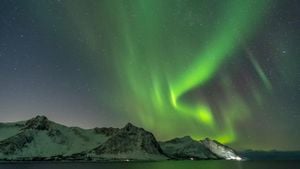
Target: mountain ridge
{"x": 41, "y": 139}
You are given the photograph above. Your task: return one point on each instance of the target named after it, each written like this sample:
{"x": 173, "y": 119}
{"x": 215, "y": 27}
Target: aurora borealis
{"x": 221, "y": 69}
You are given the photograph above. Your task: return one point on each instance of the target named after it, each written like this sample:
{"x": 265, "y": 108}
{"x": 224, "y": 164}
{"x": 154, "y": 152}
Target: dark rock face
{"x": 107, "y": 131}
{"x": 220, "y": 150}
{"x": 16, "y": 143}
{"x": 130, "y": 139}
{"x": 38, "y": 123}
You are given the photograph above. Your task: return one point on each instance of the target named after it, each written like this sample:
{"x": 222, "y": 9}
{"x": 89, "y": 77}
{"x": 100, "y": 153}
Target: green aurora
{"x": 164, "y": 50}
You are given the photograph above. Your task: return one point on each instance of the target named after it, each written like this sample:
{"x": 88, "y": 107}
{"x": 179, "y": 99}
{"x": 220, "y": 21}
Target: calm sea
{"x": 268, "y": 164}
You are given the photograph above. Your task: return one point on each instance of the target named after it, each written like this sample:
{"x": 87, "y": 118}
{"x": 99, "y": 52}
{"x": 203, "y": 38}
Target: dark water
{"x": 160, "y": 165}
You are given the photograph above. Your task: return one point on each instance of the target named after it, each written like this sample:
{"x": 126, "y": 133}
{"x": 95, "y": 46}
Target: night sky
{"x": 226, "y": 69}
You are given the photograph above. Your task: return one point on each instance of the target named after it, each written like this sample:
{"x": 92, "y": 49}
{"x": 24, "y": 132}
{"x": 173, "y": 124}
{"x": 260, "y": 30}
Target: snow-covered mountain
{"x": 129, "y": 142}
{"x": 41, "y": 139}
{"x": 220, "y": 150}
{"x": 186, "y": 148}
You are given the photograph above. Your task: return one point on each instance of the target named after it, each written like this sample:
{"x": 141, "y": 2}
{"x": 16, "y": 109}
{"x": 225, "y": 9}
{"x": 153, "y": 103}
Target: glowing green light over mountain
{"x": 164, "y": 52}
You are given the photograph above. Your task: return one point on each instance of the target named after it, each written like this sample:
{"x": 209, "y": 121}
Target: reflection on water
{"x": 159, "y": 165}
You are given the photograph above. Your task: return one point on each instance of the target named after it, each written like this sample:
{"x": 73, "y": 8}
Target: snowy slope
{"x": 186, "y": 148}
{"x": 40, "y": 137}
{"x": 220, "y": 150}
{"x": 10, "y": 129}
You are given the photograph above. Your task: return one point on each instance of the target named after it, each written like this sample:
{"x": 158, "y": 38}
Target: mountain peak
{"x": 130, "y": 142}
{"x": 186, "y": 138}
{"x": 207, "y": 139}
{"x": 40, "y": 118}
{"x": 38, "y": 122}
{"x": 130, "y": 125}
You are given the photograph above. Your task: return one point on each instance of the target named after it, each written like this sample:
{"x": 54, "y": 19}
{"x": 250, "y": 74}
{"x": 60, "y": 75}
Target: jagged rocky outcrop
{"x": 38, "y": 123}
{"x": 220, "y": 150}
{"x": 41, "y": 139}
{"x": 130, "y": 142}
{"x": 186, "y": 148}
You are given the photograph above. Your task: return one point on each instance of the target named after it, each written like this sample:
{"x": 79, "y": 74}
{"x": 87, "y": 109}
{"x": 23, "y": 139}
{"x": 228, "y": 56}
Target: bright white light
{"x": 238, "y": 158}
{"x": 234, "y": 158}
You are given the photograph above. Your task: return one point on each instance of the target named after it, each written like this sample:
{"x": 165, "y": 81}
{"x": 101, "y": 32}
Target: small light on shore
{"x": 234, "y": 158}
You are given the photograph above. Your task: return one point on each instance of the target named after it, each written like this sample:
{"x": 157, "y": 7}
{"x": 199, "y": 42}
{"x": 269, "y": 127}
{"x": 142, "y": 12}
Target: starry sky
{"x": 227, "y": 69}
